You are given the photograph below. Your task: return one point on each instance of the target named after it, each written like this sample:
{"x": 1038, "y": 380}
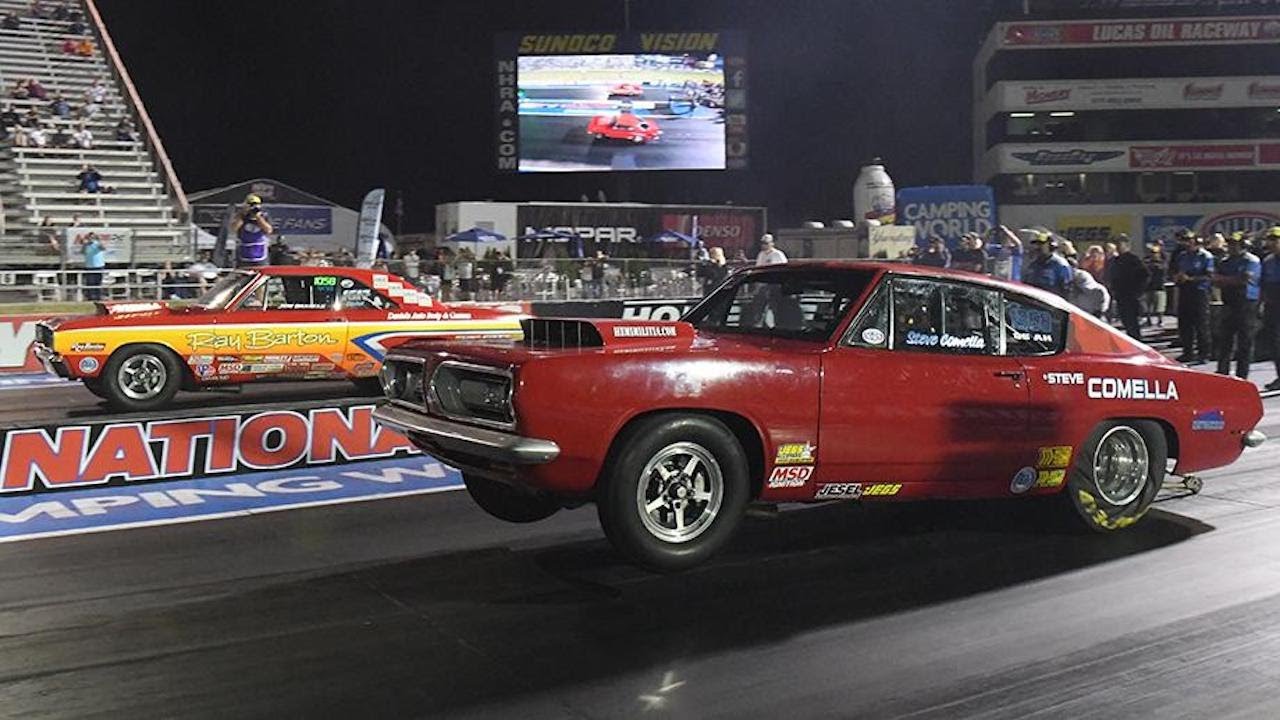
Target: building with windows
{"x": 1097, "y": 117}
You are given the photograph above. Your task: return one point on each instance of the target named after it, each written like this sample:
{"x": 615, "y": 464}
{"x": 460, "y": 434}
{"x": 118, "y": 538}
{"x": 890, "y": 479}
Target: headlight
{"x": 473, "y": 393}
{"x": 401, "y": 379}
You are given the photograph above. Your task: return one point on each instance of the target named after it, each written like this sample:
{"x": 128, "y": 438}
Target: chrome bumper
{"x": 51, "y": 360}
{"x": 1254, "y": 438}
{"x": 447, "y": 436}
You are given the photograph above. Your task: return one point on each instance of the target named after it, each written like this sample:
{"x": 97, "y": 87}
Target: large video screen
{"x": 578, "y": 103}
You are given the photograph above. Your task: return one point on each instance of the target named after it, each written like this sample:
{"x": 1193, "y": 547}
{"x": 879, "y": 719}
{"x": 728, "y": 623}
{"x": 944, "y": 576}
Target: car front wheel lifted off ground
{"x": 141, "y": 377}
{"x": 1117, "y": 474}
{"x": 675, "y": 491}
{"x": 507, "y": 502}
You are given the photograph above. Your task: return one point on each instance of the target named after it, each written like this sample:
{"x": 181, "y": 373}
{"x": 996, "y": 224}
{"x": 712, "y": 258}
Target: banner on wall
{"x": 1093, "y": 229}
{"x": 1153, "y": 93}
{"x": 1184, "y": 31}
{"x": 947, "y": 211}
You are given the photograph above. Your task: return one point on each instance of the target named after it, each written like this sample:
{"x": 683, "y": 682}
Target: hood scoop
{"x": 564, "y": 333}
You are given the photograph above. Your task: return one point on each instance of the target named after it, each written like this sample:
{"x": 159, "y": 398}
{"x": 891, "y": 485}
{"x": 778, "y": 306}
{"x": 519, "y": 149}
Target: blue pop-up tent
{"x": 476, "y": 235}
{"x": 670, "y": 237}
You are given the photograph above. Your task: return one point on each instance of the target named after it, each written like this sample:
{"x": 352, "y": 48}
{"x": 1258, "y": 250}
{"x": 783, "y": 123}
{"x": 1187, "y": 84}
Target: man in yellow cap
{"x": 253, "y": 231}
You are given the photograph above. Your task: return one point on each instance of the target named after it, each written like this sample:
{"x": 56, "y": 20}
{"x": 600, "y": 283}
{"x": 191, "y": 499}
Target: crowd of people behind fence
{"x": 1224, "y": 289}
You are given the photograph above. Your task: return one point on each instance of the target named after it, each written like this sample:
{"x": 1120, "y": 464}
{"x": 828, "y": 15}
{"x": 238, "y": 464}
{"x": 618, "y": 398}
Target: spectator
{"x": 59, "y": 107}
{"x": 39, "y": 136}
{"x": 61, "y": 12}
{"x": 90, "y": 179}
{"x": 503, "y": 268}
{"x": 39, "y": 10}
{"x": 9, "y": 117}
{"x": 84, "y": 48}
{"x": 32, "y": 118}
{"x": 11, "y": 21}
{"x": 76, "y": 25}
{"x": 1087, "y": 293}
{"x": 21, "y": 90}
{"x": 1156, "y": 299}
{"x": 69, "y": 46}
{"x": 36, "y": 90}
{"x": 279, "y": 252}
{"x": 970, "y": 256}
{"x": 96, "y": 93}
{"x": 21, "y": 137}
{"x": 83, "y": 137}
{"x": 464, "y": 265}
{"x": 1047, "y": 270}
{"x": 596, "y": 267}
{"x": 125, "y": 131}
{"x": 1240, "y": 278}
{"x": 1217, "y": 247}
{"x": 1094, "y": 262}
{"x": 90, "y": 110}
{"x": 1271, "y": 300}
{"x": 1195, "y": 265}
{"x": 95, "y": 259}
{"x": 412, "y": 266}
{"x": 1128, "y": 277}
{"x": 172, "y": 283}
{"x": 935, "y": 255}
{"x": 252, "y": 227}
{"x": 715, "y": 270}
{"x": 202, "y": 272}
{"x": 49, "y": 234}
{"x": 60, "y": 137}
{"x": 345, "y": 258}
{"x": 1006, "y": 254}
{"x": 740, "y": 257}
{"x": 769, "y": 255}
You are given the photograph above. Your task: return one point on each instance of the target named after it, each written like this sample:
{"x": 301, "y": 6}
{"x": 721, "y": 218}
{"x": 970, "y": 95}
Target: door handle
{"x": 1015, "y": 375}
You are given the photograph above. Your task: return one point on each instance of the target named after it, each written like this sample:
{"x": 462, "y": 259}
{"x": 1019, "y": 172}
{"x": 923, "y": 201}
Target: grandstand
{"x": 38, "y": 183}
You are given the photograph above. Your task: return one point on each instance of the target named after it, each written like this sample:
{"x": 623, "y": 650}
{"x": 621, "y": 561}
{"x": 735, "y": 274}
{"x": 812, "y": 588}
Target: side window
{"x": 950, "y": 318}
{"x": 1031, "y": 328}
{"x": 293, "y": 292}
{"x": 871, "y": 329}
{"x": 355, "y": 295}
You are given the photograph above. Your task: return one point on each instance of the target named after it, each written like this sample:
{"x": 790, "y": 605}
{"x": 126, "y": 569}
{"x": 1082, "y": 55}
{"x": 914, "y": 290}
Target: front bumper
{"x": 465, "y": 444}
{"x": 52, "y": 361}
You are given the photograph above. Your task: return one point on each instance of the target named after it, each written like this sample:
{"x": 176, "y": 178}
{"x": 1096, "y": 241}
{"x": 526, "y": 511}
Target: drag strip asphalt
{"x": 424, "y": 606}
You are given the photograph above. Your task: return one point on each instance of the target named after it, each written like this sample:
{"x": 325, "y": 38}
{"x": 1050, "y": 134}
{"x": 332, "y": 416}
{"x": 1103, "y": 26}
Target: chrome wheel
{"x": 142, "y": 377}
{"x": 1121, "y": 465}
{"x": 680, "y": 492}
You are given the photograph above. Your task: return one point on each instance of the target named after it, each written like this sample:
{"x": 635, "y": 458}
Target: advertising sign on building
{"x": 619, "y": 230}
{"x": 1156, "y": 157}
{"x": 1090, "y": 229}
{"x": 1164, "y": 230}
{"x": 1183, "y": 31}
{"x": 1146, "y": 93}
{"x": 947, "y": 211}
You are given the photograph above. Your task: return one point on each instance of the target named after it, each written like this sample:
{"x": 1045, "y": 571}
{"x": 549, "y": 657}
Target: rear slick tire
{"x": 508, "y": 502}
{"x": 675, "y": 492}
{"x": 1116, "y": 475}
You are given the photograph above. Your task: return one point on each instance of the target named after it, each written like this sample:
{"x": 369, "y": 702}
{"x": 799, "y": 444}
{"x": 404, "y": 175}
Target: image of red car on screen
{"x": 627, "y": 89}
{"x": 624, "y": 126}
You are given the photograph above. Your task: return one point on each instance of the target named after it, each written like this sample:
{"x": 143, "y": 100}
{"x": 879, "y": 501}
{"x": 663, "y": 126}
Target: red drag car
{"x": 624, "y": 126}
{"x": 626, "y": 89}
{"x": 811, "y": 382}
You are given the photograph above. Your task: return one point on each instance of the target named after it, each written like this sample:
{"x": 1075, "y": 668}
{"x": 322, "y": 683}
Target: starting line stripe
{"x": 79, "y": 512}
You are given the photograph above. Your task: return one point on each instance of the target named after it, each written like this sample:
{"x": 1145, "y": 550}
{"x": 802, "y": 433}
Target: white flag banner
{"x": 370, "y": 222}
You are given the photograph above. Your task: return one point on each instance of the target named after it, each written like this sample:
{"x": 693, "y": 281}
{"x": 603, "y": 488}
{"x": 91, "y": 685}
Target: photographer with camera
{"x": 253, "y": 231}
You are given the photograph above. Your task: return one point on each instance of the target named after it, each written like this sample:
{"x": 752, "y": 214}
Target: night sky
{"x": 339, "y": 96}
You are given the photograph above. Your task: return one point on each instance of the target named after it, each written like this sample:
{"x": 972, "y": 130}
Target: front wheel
{"x": 675, "y": 492}
{"x": 507, "y": 502}
{"x": 1117, "y": 474}
{"x": 141, "y": 377}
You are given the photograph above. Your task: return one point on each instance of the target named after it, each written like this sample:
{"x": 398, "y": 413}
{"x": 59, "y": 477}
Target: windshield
{"x": 798, "y": 304}
{"x": 227, "y": 287}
